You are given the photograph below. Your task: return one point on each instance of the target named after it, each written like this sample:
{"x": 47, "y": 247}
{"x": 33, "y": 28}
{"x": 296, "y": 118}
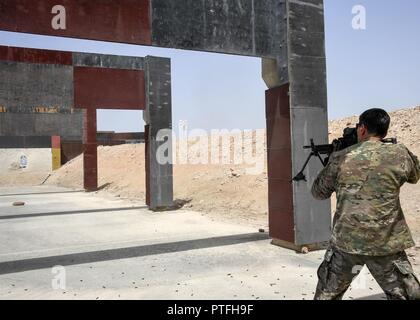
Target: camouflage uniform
{"x": 369, "y": 224}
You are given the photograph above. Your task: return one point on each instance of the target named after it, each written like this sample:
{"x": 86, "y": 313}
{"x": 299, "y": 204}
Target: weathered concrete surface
{"x": 158, "y": 116}
{"x": 302, "y": 67}
{"x": 32, "y": 79}
{"x": 245, "y": 27}
{"x": 309, "y": 118}
{"x": 22, "y": 142}
{"x": 25, "y": 85}
{"x": 32, "y": 124}
{"x": 113, "y": 249}
{"x": 107, "y": 61}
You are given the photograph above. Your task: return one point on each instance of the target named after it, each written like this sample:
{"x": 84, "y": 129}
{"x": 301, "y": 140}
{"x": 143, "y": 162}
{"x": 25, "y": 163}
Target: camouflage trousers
{"x": 393, "y": 273}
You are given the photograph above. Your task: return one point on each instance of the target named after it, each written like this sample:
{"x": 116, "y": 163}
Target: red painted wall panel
{"x": 125, "y": 21}
{"x": 35, "y": 56}
{"x": 109, "y": 88}
{"x": 90, "y": 152}
{"x": 280, "y": 188}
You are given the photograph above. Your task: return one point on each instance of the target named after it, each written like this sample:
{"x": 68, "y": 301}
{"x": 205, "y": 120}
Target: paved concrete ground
{"x": 116, "y": 249}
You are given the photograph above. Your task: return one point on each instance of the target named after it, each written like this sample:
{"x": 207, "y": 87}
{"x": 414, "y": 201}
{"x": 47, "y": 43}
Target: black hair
{"x": 376, "y": 121}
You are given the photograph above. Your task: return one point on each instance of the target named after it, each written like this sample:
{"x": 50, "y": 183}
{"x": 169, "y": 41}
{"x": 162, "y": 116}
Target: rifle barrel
{"x": 322, "y": 149}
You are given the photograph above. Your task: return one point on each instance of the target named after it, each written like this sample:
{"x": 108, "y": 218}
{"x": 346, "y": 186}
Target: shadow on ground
{"x": 126, "y": 253}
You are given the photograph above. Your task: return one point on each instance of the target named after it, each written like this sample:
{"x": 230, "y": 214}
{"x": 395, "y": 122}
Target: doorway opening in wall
{"x": 219, "y": 122}
{"x": 121, "y": 153}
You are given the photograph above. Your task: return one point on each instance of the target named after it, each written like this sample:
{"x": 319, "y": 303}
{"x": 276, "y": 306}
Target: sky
{"x": 375, "y": 67}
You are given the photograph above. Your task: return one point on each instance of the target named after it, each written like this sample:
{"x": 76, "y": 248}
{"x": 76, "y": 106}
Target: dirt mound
{"x": 405, "y": 126}
{"x": 225, "y": 192}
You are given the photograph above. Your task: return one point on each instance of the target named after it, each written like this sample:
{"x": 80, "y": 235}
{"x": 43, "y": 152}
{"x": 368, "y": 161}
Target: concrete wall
{"x": 24, "y": 87}
{"x": 37, "y": 90}
{"x": 68, "y": 126}
{"x": 300, "y": 108}
{"x": 309, "y": 113}
{"x": 287, "y": 34}
{"x": 40, "y": 91}
{"x": 27, "y": 85}
{"x": 244, "y": 27}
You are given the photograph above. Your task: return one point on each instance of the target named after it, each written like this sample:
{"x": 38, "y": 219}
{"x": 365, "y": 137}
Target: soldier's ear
{"x": 363, "y": 132}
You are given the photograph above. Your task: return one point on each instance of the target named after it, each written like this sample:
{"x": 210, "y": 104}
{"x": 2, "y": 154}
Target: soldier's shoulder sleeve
{"x": 412, "y": 167}
{"x": 325, "y": 184}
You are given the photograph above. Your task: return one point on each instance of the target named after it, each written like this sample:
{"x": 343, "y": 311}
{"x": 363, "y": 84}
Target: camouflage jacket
{"x": 367, "y": 178}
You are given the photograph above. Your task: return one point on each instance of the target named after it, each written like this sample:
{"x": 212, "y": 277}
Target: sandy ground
{"x": 225, "y": 192}
{"x": 84, "y": 246}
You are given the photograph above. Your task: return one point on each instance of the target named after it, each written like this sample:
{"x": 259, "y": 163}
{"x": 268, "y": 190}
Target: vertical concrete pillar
{"x": 296, "y": 112}
{"x": 90, "y": 156}
{"x": 147, "y": 163}
{"x": 158, "y": 117}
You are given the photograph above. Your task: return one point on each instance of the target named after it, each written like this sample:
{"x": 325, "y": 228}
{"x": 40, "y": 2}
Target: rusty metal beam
{"x": 35, "y": 56}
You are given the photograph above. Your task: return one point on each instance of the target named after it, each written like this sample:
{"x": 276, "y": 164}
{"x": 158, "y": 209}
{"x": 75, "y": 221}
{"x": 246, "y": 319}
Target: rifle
{"x": 349, "y": 139}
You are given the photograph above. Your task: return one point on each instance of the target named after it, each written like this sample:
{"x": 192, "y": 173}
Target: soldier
{"x": 369, "y": 224}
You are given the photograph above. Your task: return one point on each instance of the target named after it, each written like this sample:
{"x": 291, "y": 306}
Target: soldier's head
{"x": 373, "y": 123}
